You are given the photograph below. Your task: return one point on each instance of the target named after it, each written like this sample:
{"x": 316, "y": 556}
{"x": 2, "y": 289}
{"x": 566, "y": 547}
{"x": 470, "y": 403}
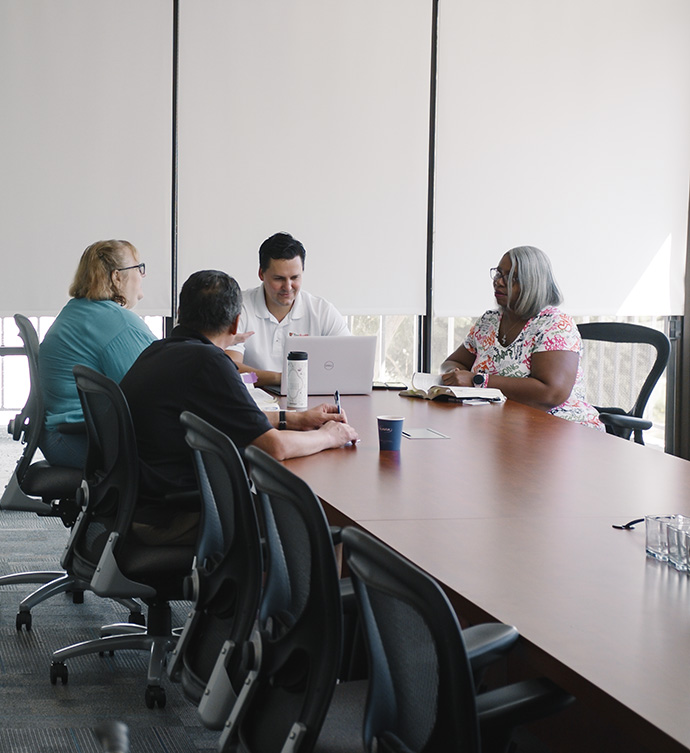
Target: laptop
{"x": 344, "y": 363}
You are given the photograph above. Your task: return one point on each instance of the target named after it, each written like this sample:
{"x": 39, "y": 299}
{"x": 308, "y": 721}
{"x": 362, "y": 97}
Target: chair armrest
{"x": 520, "y": 703}
{"x": 625, "y": 421}
{"x": 488, "y": 642}
{"x": 336, "y": 534}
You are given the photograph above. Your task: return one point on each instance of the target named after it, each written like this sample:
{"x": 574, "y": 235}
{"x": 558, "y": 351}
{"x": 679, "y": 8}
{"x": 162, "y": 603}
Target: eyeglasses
{"x": 141, "y": 267}
{"x": 497, "y": 275}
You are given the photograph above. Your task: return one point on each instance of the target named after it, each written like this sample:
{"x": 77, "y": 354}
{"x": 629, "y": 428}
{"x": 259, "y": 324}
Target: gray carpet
{"x": 36, "y": 716}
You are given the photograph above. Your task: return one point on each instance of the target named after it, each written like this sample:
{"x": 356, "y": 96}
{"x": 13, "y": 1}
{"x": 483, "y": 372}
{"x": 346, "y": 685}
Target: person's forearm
{"x": 264, "y": 378}
{"x": 529, "y": 391}
{"x": 449, "y": 365}
{"x": 283, "y": 445}
{"x": 293, "y": 419}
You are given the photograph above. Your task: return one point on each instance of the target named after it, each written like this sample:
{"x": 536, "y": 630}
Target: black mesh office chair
{"x": 422, "y": 695}
{"x": 226, "y": 580}
{"x": 104, "y": 552}
{"x": 293, "y": 657}
{"x": 39, "y": 487}
{"x": 622, "y": 363}
{"x": 290, "y": 695}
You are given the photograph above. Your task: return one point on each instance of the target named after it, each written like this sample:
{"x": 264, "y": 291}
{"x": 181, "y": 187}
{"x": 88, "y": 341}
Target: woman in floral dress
{"x": 527, "y": 347}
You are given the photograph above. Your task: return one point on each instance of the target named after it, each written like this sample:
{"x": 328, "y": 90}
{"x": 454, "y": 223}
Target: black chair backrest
{"x": 421, "y": 692}
{"x": 300, "y": 614}
{"x": 623, "y": 369}
{"x": 229, "y": 563}
{"x": 112, "y": 466}
{"x": 28, "y": 424}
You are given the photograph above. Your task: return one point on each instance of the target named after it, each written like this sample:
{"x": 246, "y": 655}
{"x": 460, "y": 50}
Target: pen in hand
{"x": 336, "y": 397}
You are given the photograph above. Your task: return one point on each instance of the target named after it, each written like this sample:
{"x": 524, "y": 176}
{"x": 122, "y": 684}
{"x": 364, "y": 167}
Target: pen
{"x": 336, "y": 397}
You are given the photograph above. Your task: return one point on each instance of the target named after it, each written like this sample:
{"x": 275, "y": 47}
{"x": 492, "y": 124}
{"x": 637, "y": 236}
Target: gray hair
{"x": 538, "y": 288}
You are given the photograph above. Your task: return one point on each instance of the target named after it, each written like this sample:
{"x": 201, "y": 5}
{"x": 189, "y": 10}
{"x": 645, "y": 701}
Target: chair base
{"x": 57, "y": 582}
{"x": 159, "y": 639}
{"x": 13, "y": 498}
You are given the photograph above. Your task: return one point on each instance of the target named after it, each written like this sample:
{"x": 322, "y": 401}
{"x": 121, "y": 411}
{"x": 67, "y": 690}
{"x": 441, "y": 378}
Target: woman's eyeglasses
{"x": 141, "y": 267}
{"x": 497, "y": 274}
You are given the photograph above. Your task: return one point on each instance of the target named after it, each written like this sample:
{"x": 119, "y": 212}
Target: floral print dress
{"x": 550, "y": 329}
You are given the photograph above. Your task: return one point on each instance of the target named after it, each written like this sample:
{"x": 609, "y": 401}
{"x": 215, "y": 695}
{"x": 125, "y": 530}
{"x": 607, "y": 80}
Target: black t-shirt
{"x": 185, "y": 371}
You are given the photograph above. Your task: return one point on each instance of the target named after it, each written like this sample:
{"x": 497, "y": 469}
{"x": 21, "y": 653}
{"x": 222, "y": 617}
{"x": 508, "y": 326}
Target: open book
{"x": 430, "y": 387}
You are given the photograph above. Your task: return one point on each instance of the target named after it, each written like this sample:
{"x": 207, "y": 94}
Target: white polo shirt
{"x": 309, "y": 315}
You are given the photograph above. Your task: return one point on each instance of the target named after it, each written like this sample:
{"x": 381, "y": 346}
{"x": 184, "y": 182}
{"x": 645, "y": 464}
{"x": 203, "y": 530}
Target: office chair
{"x": 38, "y": 487}
{"x": 293, "y": 656}
{"x": 422, "y": 696}
{"x": 225, "y": 585}
{"x": 622, "y": 369}
{"x": 104, "y": 552}
{"x": 42, "y": 488}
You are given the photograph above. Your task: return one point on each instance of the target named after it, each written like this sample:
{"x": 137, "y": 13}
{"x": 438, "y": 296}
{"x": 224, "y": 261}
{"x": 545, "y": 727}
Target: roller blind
{"x": 309, "y": 117}
{"x": 564, "y": 125}
{"x": 85, "y": 152}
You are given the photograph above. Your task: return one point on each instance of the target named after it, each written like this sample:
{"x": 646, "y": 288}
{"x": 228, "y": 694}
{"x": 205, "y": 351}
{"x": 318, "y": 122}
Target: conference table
{"x": 513, "y": 515}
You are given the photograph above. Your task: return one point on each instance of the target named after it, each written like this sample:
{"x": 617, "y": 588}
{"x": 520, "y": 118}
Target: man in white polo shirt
{"x": 279, "y": 309}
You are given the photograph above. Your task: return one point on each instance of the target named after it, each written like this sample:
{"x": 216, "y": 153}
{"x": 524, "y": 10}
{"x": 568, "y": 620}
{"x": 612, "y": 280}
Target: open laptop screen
{"x": 344, "y": 363}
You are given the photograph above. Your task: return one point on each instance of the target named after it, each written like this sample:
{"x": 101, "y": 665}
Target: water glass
{"x": 656, "y": 535}
{"x": 677, "y": 534}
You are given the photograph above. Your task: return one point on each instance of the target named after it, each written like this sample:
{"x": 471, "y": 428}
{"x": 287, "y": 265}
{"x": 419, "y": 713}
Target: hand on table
{"x": 457, "y": 378}
{"x": 339, "y": 433}
{"x": 316, "y": 417}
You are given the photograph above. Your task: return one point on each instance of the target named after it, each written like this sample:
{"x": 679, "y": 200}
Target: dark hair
{"x": 280, "y": 246}
{"x": 210, "y": 301}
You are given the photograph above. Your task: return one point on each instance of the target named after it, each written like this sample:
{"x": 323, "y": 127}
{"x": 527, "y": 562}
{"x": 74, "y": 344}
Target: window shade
{"x": 309, "y": 117}
{"x": 85, "y": 153}
{"x": 564, "y": 125}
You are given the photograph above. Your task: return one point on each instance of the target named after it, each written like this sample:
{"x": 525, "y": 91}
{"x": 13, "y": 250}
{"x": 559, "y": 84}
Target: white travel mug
{"x": 297, "y": 384}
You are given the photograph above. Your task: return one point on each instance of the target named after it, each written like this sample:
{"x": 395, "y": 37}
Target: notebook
{"x": 344, "y": 363}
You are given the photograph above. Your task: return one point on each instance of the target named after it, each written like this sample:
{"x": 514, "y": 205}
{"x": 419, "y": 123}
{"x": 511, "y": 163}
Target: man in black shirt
{"x": 190, "y": 371}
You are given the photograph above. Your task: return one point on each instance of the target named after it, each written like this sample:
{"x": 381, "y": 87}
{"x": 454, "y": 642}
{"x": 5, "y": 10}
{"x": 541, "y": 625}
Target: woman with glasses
{"x": 96, "y": 328}
{"x": 526, "y": 347}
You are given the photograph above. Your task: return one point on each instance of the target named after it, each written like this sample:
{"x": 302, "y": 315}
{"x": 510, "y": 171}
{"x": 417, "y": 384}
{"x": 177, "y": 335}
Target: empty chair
{"x": 37, "y": 486}
{"x": 290, "y": 696}
{"x": 422, "y": 696}
{"x": 622, "y": 363}
{"x": 293, "y": 657}
{"x": 225, "y": 584}
{"x": 104, "y": 551}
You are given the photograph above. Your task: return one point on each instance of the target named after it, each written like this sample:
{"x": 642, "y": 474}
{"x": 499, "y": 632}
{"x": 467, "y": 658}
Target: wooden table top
{"x": 513, "y": 515}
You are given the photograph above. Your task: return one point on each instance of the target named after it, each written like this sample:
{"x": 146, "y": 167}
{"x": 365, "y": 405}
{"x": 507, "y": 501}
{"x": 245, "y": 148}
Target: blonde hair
{"x": 94, "y": 276}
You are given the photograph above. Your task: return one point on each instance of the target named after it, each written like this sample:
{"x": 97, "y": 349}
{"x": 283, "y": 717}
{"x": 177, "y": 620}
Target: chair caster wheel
{"x": 137, "y": 618}
{"x": 58, "y": 671}
{"x": 77, "y": 597}
{"x": 23, "y": 619}
{"x": 154, "y": 696}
